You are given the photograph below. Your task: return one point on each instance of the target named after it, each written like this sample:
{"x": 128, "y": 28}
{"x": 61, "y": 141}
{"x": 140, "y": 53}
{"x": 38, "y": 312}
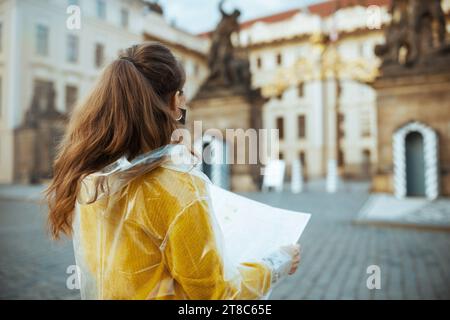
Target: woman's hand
{"x": 294, "y": 252}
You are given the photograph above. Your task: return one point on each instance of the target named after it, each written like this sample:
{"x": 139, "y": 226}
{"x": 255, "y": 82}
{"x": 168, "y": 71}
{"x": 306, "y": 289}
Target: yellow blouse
{"x": 155, "y": 239}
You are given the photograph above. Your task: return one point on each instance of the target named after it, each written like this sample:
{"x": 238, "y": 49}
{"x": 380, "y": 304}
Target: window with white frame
{"x": 99, "y": 55}
{"x": 124, "y": 18}
{"x": 301, "y": 89}
{"x": 279, "y": 59}
{"x": 301, "y": 126}
{"x": 42, "y": 40}
{"x": 71, "y": 97}
{"x": 1, "y": 36}
{"x": 72, "y": 48}
{"x": 259, "y": 62}
{"x": 101, "y": 9}
{"x": 280, "y": 127}
{"x": 1, "y": 97}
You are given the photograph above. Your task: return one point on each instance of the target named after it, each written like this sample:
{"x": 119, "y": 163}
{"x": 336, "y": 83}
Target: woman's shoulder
{"x": 184, "y": 186}
{"x": 160, "y": 195}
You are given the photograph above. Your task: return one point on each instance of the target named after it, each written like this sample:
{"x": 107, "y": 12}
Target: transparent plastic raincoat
{"x": 154, "y": 235}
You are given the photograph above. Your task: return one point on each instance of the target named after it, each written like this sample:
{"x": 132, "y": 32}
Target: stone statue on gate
{"x": 397, "y": 33}
{"x": 428, "y": 29}
{"x": 226, "y": 99}
{"x": 416, "y": 34}
{"x": 225, "y": 67}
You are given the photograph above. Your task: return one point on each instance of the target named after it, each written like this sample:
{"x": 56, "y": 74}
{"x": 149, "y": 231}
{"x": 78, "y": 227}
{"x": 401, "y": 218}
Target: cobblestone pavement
{"x": 336, "y": 253}
{"x": 415, "y": 264}
{"x": 31, "y": 266}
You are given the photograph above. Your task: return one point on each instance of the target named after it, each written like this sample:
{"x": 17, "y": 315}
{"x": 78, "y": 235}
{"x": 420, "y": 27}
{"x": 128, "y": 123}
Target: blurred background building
{"x": 315, "y": 65}
{"x": 316, "y": 68}
{"x": 413, "y": 94}
{"x": 45, "y": 67}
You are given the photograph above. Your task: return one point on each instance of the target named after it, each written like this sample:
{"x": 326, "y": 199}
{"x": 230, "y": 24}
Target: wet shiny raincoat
{"x": 155, "y": 236}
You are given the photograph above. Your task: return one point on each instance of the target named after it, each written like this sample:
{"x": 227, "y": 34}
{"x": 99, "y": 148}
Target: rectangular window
{"x": 301, "y": 119}
{"x": 259, "y": 63}
{"x": 280, "y": 127}
{"x": 1, "y": 97}
{"x": 101, "y": 9}
{"x": 73, "y": 3}
{"x": 302, "y": 158}
{"x": 71, "y": 97}
{"x": 341, "y": 158}
{"x": 72, "y": 48}
{"x": 124, "y": 18}
{"x": 42, "y": 41}
{"x": 340, "y": 125}
{"x": 99, "y": 55}
{"x": 1, "y": 36}
{"x": 279, "y": 59}
{"x": 301, "y": 89}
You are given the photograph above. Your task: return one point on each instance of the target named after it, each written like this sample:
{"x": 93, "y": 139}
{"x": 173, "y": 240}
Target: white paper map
{"x": 251, "y": 229}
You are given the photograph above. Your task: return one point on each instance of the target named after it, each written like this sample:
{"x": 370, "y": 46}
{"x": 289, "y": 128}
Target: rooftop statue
{"x": 155, "y": 7}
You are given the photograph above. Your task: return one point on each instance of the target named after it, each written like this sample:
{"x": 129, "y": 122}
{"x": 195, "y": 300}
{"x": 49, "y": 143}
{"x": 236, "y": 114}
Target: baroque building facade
{"x": 45, "y": 67}
{"x": 315, "y": 65}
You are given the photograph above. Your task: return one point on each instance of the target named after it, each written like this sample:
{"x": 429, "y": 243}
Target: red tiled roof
{"x": 327, "y": 8}
{"x": 322, "y": 9}
{"x": 272, "y": 18}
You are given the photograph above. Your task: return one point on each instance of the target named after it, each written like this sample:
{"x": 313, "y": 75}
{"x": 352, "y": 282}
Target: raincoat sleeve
{"x": 194, "y": 259}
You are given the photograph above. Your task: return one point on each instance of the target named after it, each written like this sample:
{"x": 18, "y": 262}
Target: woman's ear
{"x": 174, "y": 101}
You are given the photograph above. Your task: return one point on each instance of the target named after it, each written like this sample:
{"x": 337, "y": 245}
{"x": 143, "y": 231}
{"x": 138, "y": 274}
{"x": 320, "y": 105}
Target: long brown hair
{"x": 125, "y": 114}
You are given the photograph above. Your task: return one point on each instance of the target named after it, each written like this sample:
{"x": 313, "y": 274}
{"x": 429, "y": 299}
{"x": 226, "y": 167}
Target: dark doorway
{"x": 415, "y": 165}
{"x": 207, "y": 160}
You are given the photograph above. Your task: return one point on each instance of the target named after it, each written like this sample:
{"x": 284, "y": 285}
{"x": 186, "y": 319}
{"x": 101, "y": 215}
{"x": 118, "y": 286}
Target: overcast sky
{"x": 202, "y": 15}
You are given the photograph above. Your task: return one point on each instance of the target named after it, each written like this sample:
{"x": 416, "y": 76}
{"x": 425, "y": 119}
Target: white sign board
{"x": 253, "y": 230}
{"x": 274, "y": 174}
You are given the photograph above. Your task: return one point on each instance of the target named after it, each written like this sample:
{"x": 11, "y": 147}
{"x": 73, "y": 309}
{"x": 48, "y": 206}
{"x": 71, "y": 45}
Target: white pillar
{"x": 332, "y": 176}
